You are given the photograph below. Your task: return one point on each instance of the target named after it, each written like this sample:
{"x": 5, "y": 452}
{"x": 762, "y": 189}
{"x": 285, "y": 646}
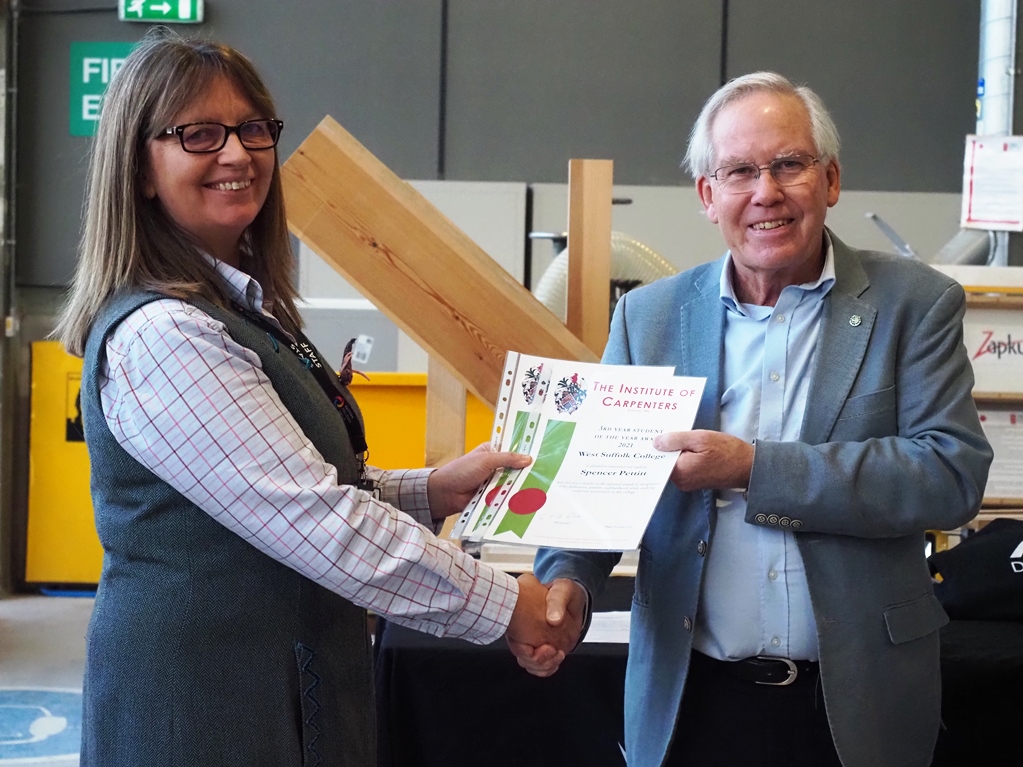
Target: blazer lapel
{"x": 845, "y": 329}
{"x": 702, "y": 317}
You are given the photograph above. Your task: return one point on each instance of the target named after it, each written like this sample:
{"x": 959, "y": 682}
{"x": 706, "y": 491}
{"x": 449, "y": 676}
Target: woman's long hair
{"x": 129, "y": 242}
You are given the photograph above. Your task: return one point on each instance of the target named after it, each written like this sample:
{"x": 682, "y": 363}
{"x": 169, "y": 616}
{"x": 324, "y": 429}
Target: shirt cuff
{"x": 488, "y": 608}
{"x": 405, "y": 489}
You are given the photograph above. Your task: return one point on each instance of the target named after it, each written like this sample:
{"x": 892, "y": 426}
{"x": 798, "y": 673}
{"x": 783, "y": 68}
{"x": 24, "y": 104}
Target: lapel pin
{"x": 855, "y": 320}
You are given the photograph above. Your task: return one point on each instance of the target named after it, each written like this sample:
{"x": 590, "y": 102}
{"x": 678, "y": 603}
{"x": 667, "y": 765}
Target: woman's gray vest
{"x": 202, "y": 650}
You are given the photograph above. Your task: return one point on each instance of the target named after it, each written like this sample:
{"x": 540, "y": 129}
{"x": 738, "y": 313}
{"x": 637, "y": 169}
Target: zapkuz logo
{"x": 990, "y": 345}
{"x": 1016, "y": 559}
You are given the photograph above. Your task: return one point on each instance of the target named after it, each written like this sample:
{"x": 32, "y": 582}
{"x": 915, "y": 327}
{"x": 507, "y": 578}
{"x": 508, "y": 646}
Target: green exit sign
{"x": 167, "y": 11}
{"x": 93, "y": 65}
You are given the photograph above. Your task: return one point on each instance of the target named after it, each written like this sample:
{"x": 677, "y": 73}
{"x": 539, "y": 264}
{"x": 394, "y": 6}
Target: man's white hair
{"x": 700, "y": 161}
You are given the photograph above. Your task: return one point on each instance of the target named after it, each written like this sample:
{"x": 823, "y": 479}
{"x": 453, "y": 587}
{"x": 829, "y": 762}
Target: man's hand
{"x": 451, "y": 487}
{"x": 710, "y": 460}
{"x": 564, "y": 609}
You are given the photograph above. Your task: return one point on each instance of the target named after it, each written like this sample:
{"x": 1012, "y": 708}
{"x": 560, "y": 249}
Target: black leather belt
{"x": 762, "y": 669}
{"x": 772, "y": 671}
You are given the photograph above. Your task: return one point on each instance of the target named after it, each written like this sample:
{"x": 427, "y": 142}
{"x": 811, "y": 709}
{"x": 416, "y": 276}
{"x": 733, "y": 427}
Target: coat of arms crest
{"x": 530, "y": 382}
{"x": 570, "y": 394}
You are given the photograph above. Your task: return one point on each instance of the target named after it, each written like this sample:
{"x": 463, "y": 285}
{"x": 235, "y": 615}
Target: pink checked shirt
{"x": 196, "y": 409}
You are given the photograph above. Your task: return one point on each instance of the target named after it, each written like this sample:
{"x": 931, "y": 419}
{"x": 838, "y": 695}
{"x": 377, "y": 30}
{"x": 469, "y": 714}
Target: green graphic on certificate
{"x": 532, "y": 495}
{"x": 520, "y": 442}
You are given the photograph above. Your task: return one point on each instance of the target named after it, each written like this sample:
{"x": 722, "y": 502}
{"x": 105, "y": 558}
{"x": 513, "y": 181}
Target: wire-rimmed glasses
{"x": 786, "y": 171}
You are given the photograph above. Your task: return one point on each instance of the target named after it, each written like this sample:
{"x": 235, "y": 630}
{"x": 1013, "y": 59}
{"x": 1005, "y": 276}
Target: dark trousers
{"x": 725, "y": 721}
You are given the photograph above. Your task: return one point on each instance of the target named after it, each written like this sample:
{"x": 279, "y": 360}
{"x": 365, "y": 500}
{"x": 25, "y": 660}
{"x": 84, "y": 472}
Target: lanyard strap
{"x": 328, "y": 381}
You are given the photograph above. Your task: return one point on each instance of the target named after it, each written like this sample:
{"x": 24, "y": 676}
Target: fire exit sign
{"x": 92, "y": 67}
{"x": 166, "y": 11}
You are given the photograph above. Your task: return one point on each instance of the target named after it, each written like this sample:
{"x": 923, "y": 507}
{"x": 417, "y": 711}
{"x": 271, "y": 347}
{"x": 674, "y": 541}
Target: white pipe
{"x": 997, "y": 67}
{"x": 995, "y": 86}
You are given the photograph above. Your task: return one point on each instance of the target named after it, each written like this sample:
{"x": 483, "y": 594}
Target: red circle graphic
{"x": 527, "y": 501}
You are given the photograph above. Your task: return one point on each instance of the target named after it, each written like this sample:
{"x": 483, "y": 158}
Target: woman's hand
{"x": 451, "y": 487}
{"x": 565, "y": 611}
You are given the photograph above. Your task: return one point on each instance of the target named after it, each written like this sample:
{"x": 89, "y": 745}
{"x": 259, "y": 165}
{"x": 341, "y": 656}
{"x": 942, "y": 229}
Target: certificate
{"x": 595, "y": 477}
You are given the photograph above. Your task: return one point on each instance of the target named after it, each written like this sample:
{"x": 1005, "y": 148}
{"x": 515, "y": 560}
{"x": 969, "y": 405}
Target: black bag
{"x": 981, "y": 579}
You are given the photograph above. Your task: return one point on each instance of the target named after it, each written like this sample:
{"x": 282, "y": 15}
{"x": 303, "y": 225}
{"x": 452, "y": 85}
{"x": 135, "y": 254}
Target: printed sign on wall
{"x": 1003, "y": 427}
{"x": 161, "y": 11}
{"x": 994, "y": 342}
{"x": 93, "y": 65}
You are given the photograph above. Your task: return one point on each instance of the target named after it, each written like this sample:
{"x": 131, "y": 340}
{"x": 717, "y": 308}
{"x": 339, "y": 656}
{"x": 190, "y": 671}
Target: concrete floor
{"x": 42, "y": 648}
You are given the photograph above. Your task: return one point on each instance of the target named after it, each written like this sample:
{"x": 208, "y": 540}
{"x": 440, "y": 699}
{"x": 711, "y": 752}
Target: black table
{"x": 446, "y": 703}
{"x": 981, "y": 695}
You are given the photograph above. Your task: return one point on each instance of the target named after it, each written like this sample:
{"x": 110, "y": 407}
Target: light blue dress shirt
{"x": 754, "y": 598}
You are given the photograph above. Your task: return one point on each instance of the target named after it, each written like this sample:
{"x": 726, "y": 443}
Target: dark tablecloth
{"x": 447, "y": 703}
{"x": 981, "y": 695}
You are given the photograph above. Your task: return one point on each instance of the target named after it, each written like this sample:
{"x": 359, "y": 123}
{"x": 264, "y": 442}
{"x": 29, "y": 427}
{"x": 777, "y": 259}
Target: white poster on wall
{"x": 1003, "y": 428}
{"x": 993, "y": 183}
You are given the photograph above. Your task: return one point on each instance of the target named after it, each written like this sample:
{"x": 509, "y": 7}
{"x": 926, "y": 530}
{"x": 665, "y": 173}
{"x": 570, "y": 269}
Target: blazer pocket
{"x": 869, "y": 404}
{"x": 914, "y": 619}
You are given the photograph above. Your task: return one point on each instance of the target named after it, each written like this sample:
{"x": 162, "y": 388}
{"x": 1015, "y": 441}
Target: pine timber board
{"x": 1002, "y": 299}
{"x": 445, "y": 415}
{"x": 589, "y": 250}
{"x": 417, "y": 267}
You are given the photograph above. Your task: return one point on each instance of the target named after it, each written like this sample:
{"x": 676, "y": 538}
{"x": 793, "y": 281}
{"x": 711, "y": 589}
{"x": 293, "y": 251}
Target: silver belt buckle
{"x": 793, "y": 671}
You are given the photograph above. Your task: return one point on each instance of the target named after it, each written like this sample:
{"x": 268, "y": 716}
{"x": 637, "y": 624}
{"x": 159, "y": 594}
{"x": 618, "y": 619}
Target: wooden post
{"x": 416, "y": 266}
{"x": 445, "y": 423}
{"x": 589, "y": 251}
{"x": 445, "y": 415}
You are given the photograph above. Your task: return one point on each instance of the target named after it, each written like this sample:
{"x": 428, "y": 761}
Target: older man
{"x": 783, "y": 612}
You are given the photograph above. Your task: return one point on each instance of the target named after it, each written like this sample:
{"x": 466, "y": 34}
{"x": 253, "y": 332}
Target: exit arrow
{"x": 163, "y": 11}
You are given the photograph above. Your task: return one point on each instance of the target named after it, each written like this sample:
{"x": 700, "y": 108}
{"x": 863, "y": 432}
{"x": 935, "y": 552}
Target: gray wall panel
{"x": 51, "y": 164}
{"x": 532, "y": 84}
{"x": 373, "y": 66}
{"x": 899, "y": 78}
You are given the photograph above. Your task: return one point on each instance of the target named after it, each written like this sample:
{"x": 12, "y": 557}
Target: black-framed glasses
{"x": 786, "y": 171}
{"x": 211, "y": 137}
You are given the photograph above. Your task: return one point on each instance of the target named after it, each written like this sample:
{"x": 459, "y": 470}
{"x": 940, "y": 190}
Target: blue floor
{"x": 42, "y": 657}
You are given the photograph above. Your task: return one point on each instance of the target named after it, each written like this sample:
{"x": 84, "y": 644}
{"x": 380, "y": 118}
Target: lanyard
{"x": 328, "y": 381}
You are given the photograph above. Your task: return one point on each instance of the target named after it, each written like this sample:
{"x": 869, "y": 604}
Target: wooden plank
{"x": 988, "y": 514}
{"x": 416, "y": 266}
{"x": 997, "y": 397}
{"x": 589, "y": 250}
{"x": 445, "y": 424}
{"x": 999, "y": 300}
{"x": 445, "y": 415}
{"x": 1006, "y": 503}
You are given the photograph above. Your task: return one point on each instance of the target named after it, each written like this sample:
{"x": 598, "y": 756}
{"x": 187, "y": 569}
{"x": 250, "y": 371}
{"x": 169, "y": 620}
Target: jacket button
{"x": 701, "y": 548}
{"x": 784, "y": 521}
{"x": 760, "y": 519}
{"x": 687, "y": 624}
{"x": 773, "y": 519}
{"x": 796, "y": 524}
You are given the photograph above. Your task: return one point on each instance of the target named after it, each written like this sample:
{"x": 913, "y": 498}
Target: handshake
{"x": 546, "y": 623}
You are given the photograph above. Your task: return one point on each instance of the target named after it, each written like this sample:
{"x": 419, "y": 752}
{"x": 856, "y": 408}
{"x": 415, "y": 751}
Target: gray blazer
{"x": 890, "y": 447}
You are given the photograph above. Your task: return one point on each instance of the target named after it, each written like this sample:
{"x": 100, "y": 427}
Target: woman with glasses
{"x": 243, "y": 535}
